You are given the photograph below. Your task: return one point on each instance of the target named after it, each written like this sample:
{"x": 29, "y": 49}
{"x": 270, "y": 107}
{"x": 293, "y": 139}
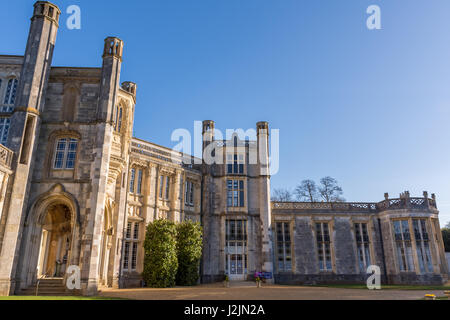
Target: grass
{"x": 12, "y": 298}
{"x": 385, "y": 287}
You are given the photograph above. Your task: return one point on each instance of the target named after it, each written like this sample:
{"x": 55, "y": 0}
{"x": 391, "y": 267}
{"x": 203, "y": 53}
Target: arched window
{"x": 11, "y": 89}
{"x": 65, "y": 153}
{"x": 118, "y": 121}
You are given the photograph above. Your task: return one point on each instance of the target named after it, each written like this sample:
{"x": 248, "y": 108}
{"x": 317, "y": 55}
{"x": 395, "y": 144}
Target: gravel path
{"x": 248, "y": 291}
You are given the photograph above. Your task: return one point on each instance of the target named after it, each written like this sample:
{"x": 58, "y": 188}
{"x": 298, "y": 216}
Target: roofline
{"x": 166, "y": 148}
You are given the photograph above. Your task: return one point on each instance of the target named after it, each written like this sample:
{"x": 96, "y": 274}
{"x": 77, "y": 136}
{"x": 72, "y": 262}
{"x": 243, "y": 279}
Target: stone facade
{"x": 76, "y": 188}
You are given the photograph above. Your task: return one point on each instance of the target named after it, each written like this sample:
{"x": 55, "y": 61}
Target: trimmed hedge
{"x": 160, "y": 261}
{"x": 189, "y": 249}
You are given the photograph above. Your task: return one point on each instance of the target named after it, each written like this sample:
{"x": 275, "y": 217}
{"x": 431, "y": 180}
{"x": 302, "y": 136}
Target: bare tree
{"x": 307, "y": 191}
{"x": 281, "y": 195}
{"x": 330, "y": 191}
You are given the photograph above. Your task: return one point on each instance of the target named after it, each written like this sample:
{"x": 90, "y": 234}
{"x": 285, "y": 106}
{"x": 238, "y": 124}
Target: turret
{"x": 24, "y": 130}
{"x": 262, "y": 129}
{"x": 130, "y": 87}
{"x": 112, "y": 63}
{"x": 207, "y": 133}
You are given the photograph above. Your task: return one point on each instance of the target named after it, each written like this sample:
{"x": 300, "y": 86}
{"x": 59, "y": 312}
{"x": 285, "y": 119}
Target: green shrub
{"x": 446, "y": 238}
{"x": 189, "y": 249}
{"x": 160, "y": 261}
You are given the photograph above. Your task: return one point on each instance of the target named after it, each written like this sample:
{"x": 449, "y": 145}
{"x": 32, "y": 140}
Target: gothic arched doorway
{"x": 56, "y": 238}
{"x": 51, "y": 239}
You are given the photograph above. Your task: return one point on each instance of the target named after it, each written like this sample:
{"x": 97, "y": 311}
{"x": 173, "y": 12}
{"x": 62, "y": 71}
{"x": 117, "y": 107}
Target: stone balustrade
{"x": 6, "y": 156}
{"x": 388, "y": 204}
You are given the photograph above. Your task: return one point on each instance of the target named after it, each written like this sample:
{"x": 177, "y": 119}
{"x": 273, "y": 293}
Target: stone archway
{"x": 51, "y": 239}
{"x": 55, "y": 244}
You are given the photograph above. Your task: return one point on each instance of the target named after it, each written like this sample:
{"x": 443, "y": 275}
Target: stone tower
{"x": 110, "y": 84}
{"x": 264, "y": 197}
{"x": 25, "y": 125}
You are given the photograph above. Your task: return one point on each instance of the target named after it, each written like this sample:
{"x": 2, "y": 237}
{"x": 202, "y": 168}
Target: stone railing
{"x": 6, "y": 156}
{"x": 407, "y": 203}
{"x": 388, "y": 204}
{"x": 337, "y": 206}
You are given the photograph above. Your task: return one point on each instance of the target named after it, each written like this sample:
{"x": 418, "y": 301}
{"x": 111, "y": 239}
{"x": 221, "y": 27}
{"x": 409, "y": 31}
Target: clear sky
{"x": 370, "y": 108}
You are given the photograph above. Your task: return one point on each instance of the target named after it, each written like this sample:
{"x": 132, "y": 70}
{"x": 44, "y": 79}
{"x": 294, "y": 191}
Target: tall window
{"x": 131, "y": 246}
{"x": 4, "y": 129}
{"x": 363, "y": 246}
{"x": 324, "y": 246}
{"x": 235, "y": 163}
{"x": 189, "y": 193}
{"x": 118, "y": 120}
{"x": 236, "y": 247}
{"x": 132, "y": 179}
{"x": 403, "y": 245}
{"x": 136, "y": 182}
{"x": 10, "y": 95}
{"x": 161, "y": 186}
{"x": 284, "y": 246}
{"x": 235, "y": 193}
{"x": 65, "y": 153}
{"x": 167, "y": 193}
{"x": 422, "y": 246}
{"x": 164, "y": 187}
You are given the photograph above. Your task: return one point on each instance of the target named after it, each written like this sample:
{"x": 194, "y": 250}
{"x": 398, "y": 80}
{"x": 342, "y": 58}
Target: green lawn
{"x": 10, "y": 298}
{"x": 385, "y": 287}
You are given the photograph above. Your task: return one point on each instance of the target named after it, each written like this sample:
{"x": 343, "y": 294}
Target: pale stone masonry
{"x": 76, "y": 188}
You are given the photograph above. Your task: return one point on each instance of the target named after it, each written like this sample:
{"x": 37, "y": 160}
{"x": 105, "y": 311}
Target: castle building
{"x": 77, "y": 189}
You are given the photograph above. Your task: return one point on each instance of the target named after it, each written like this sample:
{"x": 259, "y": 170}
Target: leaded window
{"x": 189, "y": 193}
{"x": 132, "y": 179}
{"x": 362, "y": 246}
{"x": 235, "y": 163}
{"x": 422, "y": 246}
{"x": 403, "y": 245}
{"x": 323, "y": 246}
{"x": 131, "y": 246}
{"x": 10, "y": 95}
{"x": 4, "y": 129}
{"x": 235, "y": 193}
{"x": 167, "y": 191}
{"x": 284, "y": 255}
{"x": 236, "y": 247}
{"x": 139, "y": 182}
{"x": 65, "y": 153}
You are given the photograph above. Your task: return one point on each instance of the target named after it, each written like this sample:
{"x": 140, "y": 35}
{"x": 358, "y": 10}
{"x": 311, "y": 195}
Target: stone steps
{"x": 49, "y": 287}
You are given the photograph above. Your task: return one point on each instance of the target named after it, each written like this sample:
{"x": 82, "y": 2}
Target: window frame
{"x": 285, "y": 244}
{"x": 66, "y": 152}
{"x": 363, "y": 245}
{"x": 323, "y": 245}
{"x": 235, "y": 163}
{"x": 5, "y": 126}
{"x": 9, "y": 98}
{"x": 131, "y": 246}
{"x": 405, "y": 257}
{"x": 235, "y": 194}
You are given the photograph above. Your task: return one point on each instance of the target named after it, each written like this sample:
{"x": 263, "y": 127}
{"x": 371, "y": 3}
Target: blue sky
{"x": 370, "y": 108}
